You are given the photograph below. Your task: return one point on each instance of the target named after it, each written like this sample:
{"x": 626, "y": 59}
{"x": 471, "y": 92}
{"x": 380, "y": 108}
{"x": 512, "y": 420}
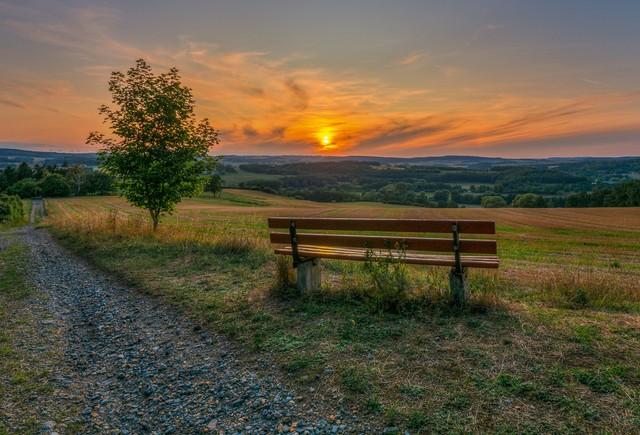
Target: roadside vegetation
{"x": 12, "y": 211}
{"x": 549, "y": 342}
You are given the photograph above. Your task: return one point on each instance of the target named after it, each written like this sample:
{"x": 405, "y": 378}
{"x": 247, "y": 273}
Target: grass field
{"x": 235, "y": 178}
{"x": 549, "y": 344}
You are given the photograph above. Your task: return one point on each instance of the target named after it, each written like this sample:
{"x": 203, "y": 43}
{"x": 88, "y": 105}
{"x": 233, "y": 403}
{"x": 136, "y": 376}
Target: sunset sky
{"x": 510, "y": 78}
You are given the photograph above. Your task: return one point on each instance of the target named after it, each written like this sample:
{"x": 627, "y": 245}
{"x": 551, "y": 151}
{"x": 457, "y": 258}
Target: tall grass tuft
{"x": 284, "y": 284}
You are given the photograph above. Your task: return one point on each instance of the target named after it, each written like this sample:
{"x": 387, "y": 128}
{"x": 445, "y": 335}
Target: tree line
{"x": 349, "y": 185}
{"x": 26, "y": 181}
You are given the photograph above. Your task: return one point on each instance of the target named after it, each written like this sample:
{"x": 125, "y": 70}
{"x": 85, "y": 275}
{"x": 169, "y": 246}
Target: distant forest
{"x": 589, "y": 183}
{"x": 425, "y": 182}
{"x": 28, "y": 181}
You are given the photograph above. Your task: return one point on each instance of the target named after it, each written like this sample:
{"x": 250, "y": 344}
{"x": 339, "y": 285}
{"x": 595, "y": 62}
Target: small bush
{"x": 389, "y": 278}
{"x": 529, "y": 200}
{"x": 25, "y": 188}
{"x": 54, "y": 185}
{"x": 11, "y": 209}
{"x": 493, "y": 201}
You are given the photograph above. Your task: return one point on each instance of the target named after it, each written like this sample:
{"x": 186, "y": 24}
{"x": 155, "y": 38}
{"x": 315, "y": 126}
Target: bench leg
{"x": 459, "y": 293}
{"x": 308, "y": 278}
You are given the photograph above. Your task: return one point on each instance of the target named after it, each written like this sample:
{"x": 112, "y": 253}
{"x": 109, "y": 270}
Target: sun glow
{"x": 326, "y": 141}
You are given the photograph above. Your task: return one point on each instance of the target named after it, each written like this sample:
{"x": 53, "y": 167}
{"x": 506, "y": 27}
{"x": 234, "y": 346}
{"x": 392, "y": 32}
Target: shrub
{"x": 493, "y": 201}
{"x": 54, "y": 185}
{"x": 389, "y": 278}
{"x": 11, "y": 209}
{"x": 529, "y": 200}
{"x": 26, "y": 188}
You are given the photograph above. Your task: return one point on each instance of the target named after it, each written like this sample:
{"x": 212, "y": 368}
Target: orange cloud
{"x": 271, "y": 104}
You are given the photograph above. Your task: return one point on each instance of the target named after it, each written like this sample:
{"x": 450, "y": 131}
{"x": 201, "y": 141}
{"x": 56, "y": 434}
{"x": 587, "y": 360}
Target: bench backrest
{"x": 409, "y": 243}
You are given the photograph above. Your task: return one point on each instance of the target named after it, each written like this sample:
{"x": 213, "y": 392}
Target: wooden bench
{"x": 307, "y": 248}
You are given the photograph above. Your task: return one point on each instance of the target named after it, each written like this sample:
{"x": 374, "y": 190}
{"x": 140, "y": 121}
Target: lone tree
{"x": 214, "y": 184}
{"x": 158, "y": 151}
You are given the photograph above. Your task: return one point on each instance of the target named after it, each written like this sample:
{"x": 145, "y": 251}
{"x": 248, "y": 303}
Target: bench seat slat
{"x": 381, "y": 252}
{"x": 386, "y": 242}
{"x": 489, "y": 262}
{"x": 397, "y": 225}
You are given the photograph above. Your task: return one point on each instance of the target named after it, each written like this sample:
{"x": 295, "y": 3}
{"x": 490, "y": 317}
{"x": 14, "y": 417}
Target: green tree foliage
{"x": 54, "y": 185}
{"x": 79, "y": 180}
{"x": 529, "y": 200}
{"x": 11, "y": 209}
{"x": 214, "y": 184}
{"x": 76, "y": 176}
{"x": 493, "y": 201}
{"x": 625, "y": 194}
{"x": 4, "y": 183}
{"x": 97, "y": 183}
{"x": 25, "y": 188}
{"x": 441, "y": 196}
{"x": 23, "y": 171}
{"x": 159, "y": 151}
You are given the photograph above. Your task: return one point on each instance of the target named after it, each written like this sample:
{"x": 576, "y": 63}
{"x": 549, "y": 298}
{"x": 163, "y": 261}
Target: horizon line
{"x": 349, "y": 156}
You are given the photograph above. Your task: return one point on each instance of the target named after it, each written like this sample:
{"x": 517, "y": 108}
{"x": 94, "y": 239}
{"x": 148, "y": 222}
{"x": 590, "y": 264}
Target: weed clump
{"x": 355, "y": 380}
{"x": 389, "y": 279}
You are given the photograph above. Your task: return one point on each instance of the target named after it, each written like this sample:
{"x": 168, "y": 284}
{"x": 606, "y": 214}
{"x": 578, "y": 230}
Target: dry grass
{"x": 221, "y": 237}
{"x": 575, "y": 288}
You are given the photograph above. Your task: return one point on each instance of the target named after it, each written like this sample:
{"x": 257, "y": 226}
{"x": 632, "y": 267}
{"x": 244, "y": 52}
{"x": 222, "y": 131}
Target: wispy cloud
{"x": 10, "y": 103}
{"x": 412, "y": 58}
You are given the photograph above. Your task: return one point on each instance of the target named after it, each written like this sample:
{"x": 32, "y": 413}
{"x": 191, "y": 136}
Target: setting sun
{"x": 326, "y": 139}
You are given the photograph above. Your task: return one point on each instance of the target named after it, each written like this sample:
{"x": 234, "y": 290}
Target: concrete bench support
{"x": 458, "y": 284}
{"x": 308, "y": 275}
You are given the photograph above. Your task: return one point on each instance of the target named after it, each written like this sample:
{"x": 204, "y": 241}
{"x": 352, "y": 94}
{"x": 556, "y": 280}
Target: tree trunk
{"x": 155, "y": 219}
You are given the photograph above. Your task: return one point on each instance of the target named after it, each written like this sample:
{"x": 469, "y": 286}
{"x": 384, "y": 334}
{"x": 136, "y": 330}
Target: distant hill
{"x": 13, "y": 156}
{"x": 472, "y": 162}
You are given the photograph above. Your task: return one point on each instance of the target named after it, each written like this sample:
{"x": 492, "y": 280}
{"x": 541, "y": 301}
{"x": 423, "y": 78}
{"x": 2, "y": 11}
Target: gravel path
{"x": 37, "y": 210}
{"x": 140, "y": 367}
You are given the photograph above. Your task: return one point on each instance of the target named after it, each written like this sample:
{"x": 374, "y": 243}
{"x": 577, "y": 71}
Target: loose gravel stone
{"x": 141, "y": 367}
